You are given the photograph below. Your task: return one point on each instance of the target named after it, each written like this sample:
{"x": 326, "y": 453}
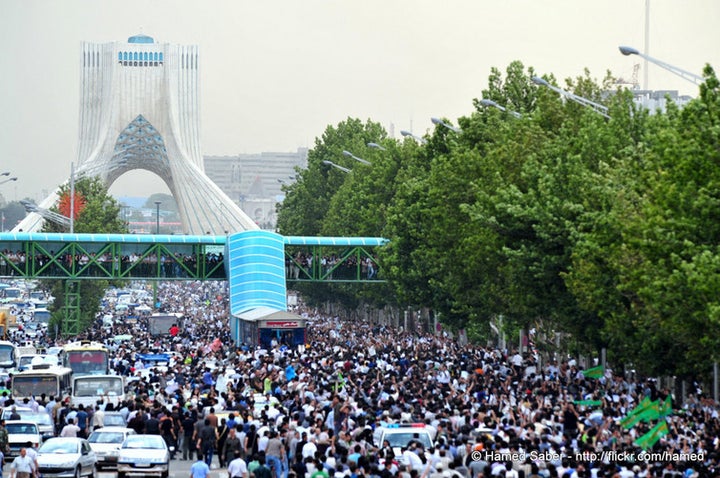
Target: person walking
{"x": 232, "y": 447}
{"x": 275, "y": 453}
{"x": 70, "y": 430}
{"x": 237, "y": 468}
{"x": 167, "y": 430}
{"x": 22, "y": 466}
{"x": 207, "y": 441}
{"x": 262, "y": 471}
{"x": 3, "y": 439}
{"x": 199, "y": 469}
{"x": 188, "y": 441}
{"x": 222, "y": 434}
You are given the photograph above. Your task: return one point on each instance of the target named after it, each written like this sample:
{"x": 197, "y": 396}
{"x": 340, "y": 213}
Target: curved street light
{"x": 8, "y": 180}
{"x": 376, "y": 146}
{"x": 597, "y": 107}
{"x": 350, "y": 155}
{"x": 416, "y": 138}
{"x": 686, "y": 75}
{"x": 337, "y": 166}
{"x": 447, "y": 125}
{"x": 492, "y": 104}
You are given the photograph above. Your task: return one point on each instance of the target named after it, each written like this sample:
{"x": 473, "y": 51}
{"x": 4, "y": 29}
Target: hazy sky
{"x": 275, "y": 73}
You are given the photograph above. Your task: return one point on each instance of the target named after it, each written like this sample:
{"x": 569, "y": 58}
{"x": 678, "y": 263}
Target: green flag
{"x": 650, "y": 438}
{"x": 666, "y": 407}
{"x": 595, "y": 372}
{"x": 644, "y": 411}
{"x": 589, "y": 403}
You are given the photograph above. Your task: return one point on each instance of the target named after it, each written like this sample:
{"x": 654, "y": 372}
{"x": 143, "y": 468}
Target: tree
{"x": 101, "y": 214}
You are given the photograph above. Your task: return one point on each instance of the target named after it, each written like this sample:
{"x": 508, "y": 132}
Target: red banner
{"x": 282, "y": 324}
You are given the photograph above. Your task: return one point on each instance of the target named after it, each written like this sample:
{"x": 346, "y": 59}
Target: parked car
{"x": 143, "y": 455}
{"x": 66, "y": 457}
{"x": 20, "y": 433}
{"x": 106, "y": 443}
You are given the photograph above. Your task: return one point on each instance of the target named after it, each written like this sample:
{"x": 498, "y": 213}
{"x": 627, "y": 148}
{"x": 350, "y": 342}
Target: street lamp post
{"x": 376, "y": 146}
{"x": 416, "y": 138}
{"x": 7, "y": 180}
{"x": 492, "y": 104}
{"x": 157, "y": 231}
{"x": 157, "y": 216}
{"x": 440, "y": 122}
{"x": 597, "y": 107}
{"x": 686, "y": 75}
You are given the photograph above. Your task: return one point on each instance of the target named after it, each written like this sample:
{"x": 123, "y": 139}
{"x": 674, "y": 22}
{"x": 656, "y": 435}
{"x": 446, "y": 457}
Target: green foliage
{"x": 100, "y": 215}
{"x": 560, "y": 219}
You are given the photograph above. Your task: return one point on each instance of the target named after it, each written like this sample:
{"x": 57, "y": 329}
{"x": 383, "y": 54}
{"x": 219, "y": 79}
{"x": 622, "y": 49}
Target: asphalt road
{"x": 178, "y": 469}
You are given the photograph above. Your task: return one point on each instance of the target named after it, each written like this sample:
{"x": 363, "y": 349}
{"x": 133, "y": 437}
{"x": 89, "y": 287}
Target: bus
{"x": 12, "y": 295}
{"x": 48, "y": 379}
{"x": 8, "y": 354}
{"x": 90, "y": 389}
{"x": 87, "y": 358}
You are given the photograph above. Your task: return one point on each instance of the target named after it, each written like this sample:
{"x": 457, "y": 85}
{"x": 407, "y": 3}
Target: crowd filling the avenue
{"x": 362, "y": 399}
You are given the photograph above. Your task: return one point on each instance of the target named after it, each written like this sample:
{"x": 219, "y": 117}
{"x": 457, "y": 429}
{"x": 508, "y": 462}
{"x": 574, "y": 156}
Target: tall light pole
{"x": 157, "y": 231}
{"x": 350, "y": 155}
{"x": 376, "y": 146}
{"x": 8, "y": 180}
{"x": 416, "y": 138}
{"x": 157, "y": 216}
{"x": 685, "y": 75}
{"x": 597, "y": 107}
{"x": 440, "y": 122}
{"x": 492, "y": 104}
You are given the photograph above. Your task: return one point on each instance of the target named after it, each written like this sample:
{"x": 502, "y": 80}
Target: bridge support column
{"x": 71, "y": 309}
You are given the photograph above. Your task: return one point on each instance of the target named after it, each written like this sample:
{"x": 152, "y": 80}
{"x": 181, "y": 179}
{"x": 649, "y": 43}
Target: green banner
{"x": 595, "y": 372}
{"x": 589, "y": 403}
{"x": 650, "y": 438}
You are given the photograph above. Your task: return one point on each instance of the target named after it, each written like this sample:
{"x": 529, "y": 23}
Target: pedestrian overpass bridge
{"x": 180, "y": 257}
{"x": 257, "y": 264}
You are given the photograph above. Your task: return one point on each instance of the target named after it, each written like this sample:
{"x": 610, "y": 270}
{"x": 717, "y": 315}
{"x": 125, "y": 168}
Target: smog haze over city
{"x": 274, "y": 74}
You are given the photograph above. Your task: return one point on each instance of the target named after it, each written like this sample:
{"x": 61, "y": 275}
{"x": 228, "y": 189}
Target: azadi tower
{"x": 140, "y": 109}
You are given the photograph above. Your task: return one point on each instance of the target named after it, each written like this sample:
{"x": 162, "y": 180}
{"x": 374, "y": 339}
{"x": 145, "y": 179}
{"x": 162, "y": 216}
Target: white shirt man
{"x": 237, "y": 468}
{"x": 22, "y": 466}
{"x": 70, "y": 430}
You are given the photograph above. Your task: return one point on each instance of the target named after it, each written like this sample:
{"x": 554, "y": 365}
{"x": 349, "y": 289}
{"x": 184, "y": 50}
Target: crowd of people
{"x": 314, "y": 411}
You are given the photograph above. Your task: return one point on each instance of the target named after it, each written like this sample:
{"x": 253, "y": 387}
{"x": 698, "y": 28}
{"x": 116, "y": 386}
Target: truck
{"x": 159, "y": 324}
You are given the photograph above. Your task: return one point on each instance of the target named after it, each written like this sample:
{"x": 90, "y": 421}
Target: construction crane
{"x": 46, "y": 214}
{"x": 633, "y": 81}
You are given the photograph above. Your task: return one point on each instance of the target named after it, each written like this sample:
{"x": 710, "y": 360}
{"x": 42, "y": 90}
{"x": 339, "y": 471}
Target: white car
{"x": 143, "y": 455}
{"x": 66, "y": 457}
{"x": 106, "y": 443}
{"x": 20, "y": 433}
{"x": 400, "y": 435}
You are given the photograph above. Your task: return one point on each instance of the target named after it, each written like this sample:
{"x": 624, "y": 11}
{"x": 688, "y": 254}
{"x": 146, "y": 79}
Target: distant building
{"x": 254, "y": 181}
{"x": 657, "y": 100}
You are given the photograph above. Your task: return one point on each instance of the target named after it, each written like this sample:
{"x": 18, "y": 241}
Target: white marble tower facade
{"x": 140, "y": 109}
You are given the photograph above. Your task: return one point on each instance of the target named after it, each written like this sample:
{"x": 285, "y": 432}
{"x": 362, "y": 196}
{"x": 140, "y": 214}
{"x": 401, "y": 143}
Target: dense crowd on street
{"x": 313, "y": 411}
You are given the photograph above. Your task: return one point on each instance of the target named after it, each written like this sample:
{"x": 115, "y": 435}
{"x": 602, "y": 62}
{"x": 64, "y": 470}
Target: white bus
{"x": 48, "y": 379}
{"x": 87, "y": 358}
{"x": 9, "y": 354}
{"x": 89, "y": 389}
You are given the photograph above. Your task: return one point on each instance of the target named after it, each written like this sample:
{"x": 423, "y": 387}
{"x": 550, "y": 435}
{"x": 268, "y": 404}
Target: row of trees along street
{"x": 605, "y": 230}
